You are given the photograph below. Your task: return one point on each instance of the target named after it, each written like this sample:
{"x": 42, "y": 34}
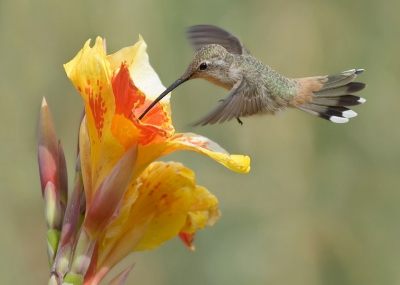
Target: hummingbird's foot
{"x": 222, "y": 100}
{"x": 239, "y": 121}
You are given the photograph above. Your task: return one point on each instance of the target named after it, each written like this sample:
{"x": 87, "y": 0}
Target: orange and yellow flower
{"x": 132, "y": 202}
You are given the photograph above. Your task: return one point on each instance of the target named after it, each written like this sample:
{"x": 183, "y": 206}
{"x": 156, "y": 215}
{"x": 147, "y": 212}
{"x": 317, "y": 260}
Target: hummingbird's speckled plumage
{"x": 256, "y": 88}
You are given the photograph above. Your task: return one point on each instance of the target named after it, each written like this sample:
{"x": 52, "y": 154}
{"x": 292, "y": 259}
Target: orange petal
{"x": 148, "y": 82}
{"x": 143, "y": 75}
{"x": 127, "y": 96}
{"x": 188, "y": 240}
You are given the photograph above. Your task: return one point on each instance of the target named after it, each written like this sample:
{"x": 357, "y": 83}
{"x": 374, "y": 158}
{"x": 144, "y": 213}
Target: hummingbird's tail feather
{"x": 333, "y": 95}
{"x": 333, "y": 114}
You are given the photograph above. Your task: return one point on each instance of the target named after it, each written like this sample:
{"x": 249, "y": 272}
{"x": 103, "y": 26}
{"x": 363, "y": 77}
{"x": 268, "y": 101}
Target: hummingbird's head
{"x": 212, "y": 62}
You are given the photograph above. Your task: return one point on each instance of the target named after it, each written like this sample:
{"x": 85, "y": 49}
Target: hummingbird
{"x": 256, "y": 88}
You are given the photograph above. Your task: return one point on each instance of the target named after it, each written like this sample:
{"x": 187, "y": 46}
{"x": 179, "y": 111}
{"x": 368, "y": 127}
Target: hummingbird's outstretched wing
{"x": 240, "y": 102}
{"x": 202, "y": 35}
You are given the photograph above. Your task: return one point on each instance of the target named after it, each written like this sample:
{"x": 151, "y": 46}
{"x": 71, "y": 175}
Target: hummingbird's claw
{"x": 239, "y": 121}
{"x": 222, "y": 100}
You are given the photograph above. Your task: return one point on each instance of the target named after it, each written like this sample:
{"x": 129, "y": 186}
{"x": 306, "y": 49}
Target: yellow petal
{"x": 167, "y": 192}
{"x": 90, "y": 72}
{"x": 203, "y": 200}
{"x": 203, "y": 212}
{"x": 86, "y": 166}
{"x": 154, "y": 210}
{"x": 203, "y": 145}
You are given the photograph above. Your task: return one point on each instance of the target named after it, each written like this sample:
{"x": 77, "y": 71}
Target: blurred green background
{"x": 321, "y": 203}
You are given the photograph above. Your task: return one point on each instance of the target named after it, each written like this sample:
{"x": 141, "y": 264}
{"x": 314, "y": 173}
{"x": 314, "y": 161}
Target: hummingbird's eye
{"x": 203, "y": 66}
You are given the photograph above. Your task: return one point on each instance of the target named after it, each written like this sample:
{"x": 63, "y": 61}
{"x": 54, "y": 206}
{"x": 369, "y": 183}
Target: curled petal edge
{"x": 189, "y": 141}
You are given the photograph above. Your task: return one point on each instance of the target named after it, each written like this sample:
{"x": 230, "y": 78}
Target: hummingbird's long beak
{"x": 169, "y": 89}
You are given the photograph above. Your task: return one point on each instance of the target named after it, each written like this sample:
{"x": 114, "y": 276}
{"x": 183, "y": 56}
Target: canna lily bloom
{"x": 132, "y": 202}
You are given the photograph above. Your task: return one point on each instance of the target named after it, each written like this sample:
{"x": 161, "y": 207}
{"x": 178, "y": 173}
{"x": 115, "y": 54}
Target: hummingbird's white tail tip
{"x": 349, "y": 114}
{"x": 333, "y": 114}
{"x": 338, "y": 120}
